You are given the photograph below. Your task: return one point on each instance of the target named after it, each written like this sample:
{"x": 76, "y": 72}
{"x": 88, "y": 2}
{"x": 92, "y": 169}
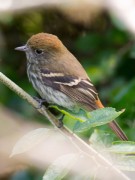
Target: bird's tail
{"x": 118, "y": 131}
{"x": 114, "y": 126}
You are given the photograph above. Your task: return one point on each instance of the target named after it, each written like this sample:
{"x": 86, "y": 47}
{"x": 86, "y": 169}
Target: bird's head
{"x": 42, "y": 47}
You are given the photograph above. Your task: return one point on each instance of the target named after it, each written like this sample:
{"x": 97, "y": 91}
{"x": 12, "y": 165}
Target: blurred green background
{"x": 106, "y": 51}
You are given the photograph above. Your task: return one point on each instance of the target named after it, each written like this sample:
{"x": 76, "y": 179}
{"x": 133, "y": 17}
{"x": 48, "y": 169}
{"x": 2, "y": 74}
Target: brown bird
{"x": 59, "y": 78}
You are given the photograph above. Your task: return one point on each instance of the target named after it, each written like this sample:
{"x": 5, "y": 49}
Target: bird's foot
{"x": 40, "y": 102}
{"x": 60, "y": 125}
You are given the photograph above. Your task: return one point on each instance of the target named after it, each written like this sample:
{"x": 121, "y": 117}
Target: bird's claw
{"x": 40, "y": 102}
{"x": 60, "y": 125}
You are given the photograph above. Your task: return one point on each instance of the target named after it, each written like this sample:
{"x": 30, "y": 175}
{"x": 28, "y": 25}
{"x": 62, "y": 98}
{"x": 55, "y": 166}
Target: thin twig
{"x": 78, "y": 142}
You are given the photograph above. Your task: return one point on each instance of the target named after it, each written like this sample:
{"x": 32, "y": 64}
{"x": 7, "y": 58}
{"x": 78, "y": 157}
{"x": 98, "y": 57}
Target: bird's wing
{"x": 82, "y": 91}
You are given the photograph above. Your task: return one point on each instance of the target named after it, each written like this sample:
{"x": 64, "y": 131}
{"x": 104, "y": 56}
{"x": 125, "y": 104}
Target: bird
{"x": 59, "y": 78}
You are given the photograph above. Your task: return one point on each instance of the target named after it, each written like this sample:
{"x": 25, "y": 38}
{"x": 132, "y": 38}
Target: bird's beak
{"x": 21, "y": 48}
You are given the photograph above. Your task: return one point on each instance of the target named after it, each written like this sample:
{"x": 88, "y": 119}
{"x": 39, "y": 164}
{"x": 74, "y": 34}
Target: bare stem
{"x": 78, "y": 142}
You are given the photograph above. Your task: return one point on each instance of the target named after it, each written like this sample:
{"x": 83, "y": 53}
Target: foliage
{"x": 119, "y": 152}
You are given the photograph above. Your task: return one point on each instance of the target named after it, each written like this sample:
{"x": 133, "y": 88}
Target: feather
{"x": 81, "y": 91}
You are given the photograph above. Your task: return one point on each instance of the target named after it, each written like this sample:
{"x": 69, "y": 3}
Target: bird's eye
{"x": 39, "y": 51}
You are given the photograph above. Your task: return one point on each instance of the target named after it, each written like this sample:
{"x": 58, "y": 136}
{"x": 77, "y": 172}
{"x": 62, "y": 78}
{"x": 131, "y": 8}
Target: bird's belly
{"x": 49, "y": 94}
{"x": 53, "y": 96}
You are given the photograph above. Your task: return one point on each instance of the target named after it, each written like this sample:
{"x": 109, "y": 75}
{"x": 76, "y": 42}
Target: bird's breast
{"x": 51, "y": 95}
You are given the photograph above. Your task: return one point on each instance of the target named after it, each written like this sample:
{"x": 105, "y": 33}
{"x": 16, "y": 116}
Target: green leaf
{"x": 100, "y": 139}
{"x": 120, "y": 153}
{"x": 98, "y": 118}
{"x": 120, "y": 147}
{"x": 126, "y": 163}
{"x": 81, "y": 116}
{"x": 30, "y": 140}
{"x": 60, "y": 167}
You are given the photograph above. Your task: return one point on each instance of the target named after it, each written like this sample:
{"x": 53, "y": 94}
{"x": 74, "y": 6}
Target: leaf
{"x": 30, "y": 140}
{"x": 103, "y": 144}
{"x": 119, "y": 153}
{"x": 60, "y": 167}
{"x": 120, "y": 147}
{"x": 126, "y": 163}
{"x": 100, "y": 139}
{"x": 81, "y": 116}
{"x": 98, "y": 118}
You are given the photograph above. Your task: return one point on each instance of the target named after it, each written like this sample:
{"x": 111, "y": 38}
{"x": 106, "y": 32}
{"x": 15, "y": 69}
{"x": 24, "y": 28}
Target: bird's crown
{"x": 45, "y": 40}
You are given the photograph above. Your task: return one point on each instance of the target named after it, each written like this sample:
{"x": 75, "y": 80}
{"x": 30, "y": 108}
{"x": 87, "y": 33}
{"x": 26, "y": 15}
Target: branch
{"x": 76, "y": 141}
